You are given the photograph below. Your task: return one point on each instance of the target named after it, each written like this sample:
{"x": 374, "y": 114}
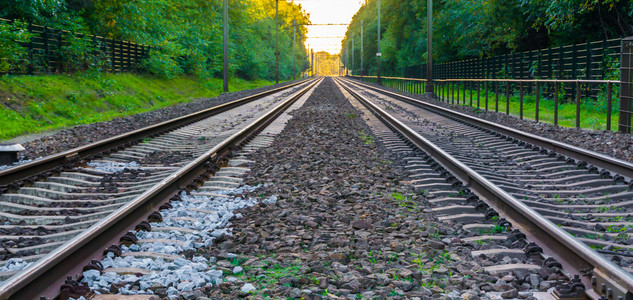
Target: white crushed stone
{"x": 113, "y": 167}
{"x": 15, "y": 164}
{"x": 13, "y": 264}
{"x": 271, "y": 200}
{"x": 180, "y": 275}
{"x": 246, "y": 288}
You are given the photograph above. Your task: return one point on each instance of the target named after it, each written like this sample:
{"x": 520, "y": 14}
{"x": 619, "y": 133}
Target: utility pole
{"x": 276, "y": 41}
{"x": 294, "y": 60}
{"x": 347, "y": 59}
{"x": 316, "y": 63}
{"x": 362, "y": 43}
{"x": 312, "y": 69}
{"x": 379, "y": 55}
{"x": 353, "y": 55}
{"x": 429, "y": 49}
{"x": 225, "y": 29}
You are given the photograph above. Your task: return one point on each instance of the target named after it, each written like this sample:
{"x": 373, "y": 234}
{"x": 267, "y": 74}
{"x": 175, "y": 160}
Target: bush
{"x": 162, "y": 64}
{"x": 12, "y": 37}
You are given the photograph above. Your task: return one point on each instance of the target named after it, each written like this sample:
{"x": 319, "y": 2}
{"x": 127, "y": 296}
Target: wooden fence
{"x": 47, "y": 46}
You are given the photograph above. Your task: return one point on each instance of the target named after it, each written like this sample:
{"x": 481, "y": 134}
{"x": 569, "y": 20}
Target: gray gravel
{"x": 615, "y": 144}
{"x": 334, "y": 224}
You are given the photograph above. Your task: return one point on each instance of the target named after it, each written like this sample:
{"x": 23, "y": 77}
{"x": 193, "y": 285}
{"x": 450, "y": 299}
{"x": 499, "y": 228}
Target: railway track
{"x": 567, "y": 200}
{"x": 526, "y": 205}
{"x": 60, "y": 212}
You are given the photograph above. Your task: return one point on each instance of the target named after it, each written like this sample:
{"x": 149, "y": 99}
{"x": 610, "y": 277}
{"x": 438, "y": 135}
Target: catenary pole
{"x": 347, "y": 59}
{"x": 362, "y": 43}
{"x": 225, "y": 30}
{"x": 429, "y": 48}
{"x": 353, "y": 55}
{"x": 294, "y": 59}
{"x": 276, "y": 41}
{"x": 379, "y": 55}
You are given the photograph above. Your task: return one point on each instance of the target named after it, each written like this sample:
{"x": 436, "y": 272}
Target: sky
{"x": 328, "y": 38}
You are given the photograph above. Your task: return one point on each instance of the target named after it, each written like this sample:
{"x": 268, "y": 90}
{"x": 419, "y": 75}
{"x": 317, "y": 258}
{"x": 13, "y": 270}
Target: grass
{"x": 367, "y": 139}
{"x": 32, "y": 104}
{"x": 593, "y": 113}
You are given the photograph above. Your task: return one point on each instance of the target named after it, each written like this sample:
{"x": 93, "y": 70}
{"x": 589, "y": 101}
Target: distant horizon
{"x": 328, "y": 38}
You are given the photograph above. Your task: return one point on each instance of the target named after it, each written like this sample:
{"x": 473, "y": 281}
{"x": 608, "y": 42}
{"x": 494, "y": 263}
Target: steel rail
{"x": 70, "y": 257}
{"x": 610, "y": 163}
{"x": 51, "y": 162}
{"x": 554, "y": 241}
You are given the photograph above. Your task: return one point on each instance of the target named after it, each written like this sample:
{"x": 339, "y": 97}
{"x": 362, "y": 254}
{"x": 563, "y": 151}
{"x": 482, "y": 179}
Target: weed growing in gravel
{"x": 237, "y": 261}
{"x": 497, "y": 229}
{"x": 367, "y": 139}
{"x": 604, "y": 209}
{"x": 271, "y": 275}
{"x": 615, "y": 229}
{"x": 429, "y": 284}
{"x": 616, "y": 219}
{"x": 147, "y": 140}
{"x": 351, "y": 116}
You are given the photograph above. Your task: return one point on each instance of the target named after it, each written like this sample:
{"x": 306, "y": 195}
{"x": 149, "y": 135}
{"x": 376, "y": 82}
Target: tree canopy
{"x": 464, "y": 29}
{"x": 186, "y": 34}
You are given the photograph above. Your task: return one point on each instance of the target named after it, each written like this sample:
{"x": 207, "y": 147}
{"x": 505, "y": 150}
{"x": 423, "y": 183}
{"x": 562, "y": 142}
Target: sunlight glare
{"x": 328, "y": 38}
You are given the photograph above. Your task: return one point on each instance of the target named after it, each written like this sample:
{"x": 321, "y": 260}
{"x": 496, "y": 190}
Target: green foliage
{"x": 11, "y": 51}
{"x": 185, "y": 36}
{"x": 475, "y": 29}
{"x": 162, "y": 64}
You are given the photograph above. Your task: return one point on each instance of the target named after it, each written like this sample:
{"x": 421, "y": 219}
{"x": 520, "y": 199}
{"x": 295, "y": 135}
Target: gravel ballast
{"x": 334, "y": 224}
{"x": 616, "y": 144}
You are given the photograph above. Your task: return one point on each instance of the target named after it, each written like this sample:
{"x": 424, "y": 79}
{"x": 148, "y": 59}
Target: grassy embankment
{"x": 593, "y": 113}
{"x": 32, "y": 104}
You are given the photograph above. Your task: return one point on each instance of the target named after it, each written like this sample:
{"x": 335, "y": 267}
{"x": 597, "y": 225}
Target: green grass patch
{"x": 367, "y": 139}
{"x": 32, "y": 104}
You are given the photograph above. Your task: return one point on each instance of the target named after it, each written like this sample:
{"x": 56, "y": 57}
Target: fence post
{"x": 588, "y": 63}
{"x": 550, "y": 65}
{"x": 47, "y": 59}
{"x": 556, "y": 102}
{"x": 60, "y": 45}
{"x": 560, "y": 63}
{"x": 112, "y": 55}
{"x": 538, "y": 96}
{"x": 31, "y": 70}
{"x": 577, "y": 104}
{"x": 626, "y": 86}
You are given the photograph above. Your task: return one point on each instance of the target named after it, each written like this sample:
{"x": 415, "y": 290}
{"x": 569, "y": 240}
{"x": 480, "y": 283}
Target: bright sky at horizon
{"x": 328, "y": 38}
